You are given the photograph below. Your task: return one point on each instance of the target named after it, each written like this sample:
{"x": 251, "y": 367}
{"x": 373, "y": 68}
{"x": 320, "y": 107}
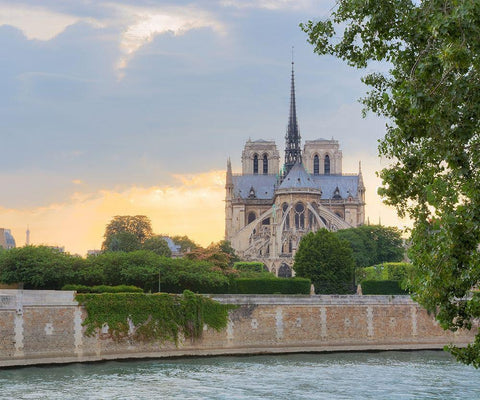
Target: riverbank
{"x": 45, "y": 327}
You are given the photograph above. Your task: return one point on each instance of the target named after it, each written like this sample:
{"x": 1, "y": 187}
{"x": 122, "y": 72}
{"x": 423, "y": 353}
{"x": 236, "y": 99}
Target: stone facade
{"x": 268, "y": 209}
{"x": 38, "y": 327}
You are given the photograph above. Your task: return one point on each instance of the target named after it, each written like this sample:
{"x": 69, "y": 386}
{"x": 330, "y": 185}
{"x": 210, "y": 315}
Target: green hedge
{"x": 103, "y": 289}
{"x": 270, "y": 286}
{"x": 250, "y": 266}
{"x": 398, "y": 271}
{"x": 382, "y": 287}
{"x": 262, "y": 285}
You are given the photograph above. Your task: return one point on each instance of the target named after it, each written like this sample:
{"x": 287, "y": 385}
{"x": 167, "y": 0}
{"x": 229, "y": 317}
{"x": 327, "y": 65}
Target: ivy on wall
{"x": 161, "y": 316}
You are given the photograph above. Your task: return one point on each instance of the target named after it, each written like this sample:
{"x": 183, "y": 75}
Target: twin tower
{"x": 269, "y": 208}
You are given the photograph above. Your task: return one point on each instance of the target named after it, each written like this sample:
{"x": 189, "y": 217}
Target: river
{"x": 383, "y": 375}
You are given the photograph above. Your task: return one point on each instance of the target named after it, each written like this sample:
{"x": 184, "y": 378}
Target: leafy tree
{"x": 158, "y": 245}
{"x": 37, "y": 267}
{"x": 220, "y": 254}
{"x": 373, "y": 244}
{"x": 138, "y": 225}
{"x": 431, "y": 98}
{"x": 186, "y": 244}
{"x": 327, "y": 260}
{"x": 122, "y": 241}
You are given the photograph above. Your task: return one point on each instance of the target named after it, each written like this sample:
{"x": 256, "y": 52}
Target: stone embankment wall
{"x": 46, "y": 327}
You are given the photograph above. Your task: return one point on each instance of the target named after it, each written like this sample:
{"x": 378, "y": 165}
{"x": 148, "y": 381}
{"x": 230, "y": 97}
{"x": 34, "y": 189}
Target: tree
{"x": 431, "y": 98}
{"x": 186, "y": 244}
{"x": 327, "y": 260}
{"x": 122, "y": 241}
{"x": 373, "y": 244}
{"x": 37, "y": 267}
{"x": 158, "y": 245}
{"x": 221, "y": 254}
{"x": 138, "y": 225}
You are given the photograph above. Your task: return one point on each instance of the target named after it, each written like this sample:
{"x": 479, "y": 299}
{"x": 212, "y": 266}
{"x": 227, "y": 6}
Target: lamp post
{"x": 159, "y": 287}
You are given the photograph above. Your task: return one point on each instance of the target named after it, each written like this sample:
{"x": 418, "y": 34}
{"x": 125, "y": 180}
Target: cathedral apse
{"x": 269, "y": 207}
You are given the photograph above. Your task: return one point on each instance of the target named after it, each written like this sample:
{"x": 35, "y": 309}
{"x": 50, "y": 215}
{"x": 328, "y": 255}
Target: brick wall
{"x": 46, "y": 327}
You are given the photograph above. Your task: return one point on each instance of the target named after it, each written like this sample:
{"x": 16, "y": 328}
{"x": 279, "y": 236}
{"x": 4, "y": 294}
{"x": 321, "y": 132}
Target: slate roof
{"x": 298, "y": 178}
{"x": 345, "y": 183}
{"x": 264, "y": 185}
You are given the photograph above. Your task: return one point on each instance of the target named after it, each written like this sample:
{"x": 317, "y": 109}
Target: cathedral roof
{"x": 298, "y": 178}
{"x": 346, "y": 184}
{"x": 263, "y": 186}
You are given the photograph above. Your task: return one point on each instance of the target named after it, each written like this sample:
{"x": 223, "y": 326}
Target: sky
{"x": 133, "y": 107}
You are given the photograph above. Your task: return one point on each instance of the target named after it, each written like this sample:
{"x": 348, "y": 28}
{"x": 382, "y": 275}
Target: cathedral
{"x": 268, "y": 209}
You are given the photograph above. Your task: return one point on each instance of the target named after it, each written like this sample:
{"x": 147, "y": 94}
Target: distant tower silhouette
{"x": 27, "y": 241}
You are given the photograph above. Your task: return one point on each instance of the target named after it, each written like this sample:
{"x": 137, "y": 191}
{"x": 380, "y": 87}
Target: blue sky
{"x": 101, "y": 99}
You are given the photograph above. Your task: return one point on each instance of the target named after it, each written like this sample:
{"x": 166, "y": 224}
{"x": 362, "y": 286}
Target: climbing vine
{"x": 152, "y": 316}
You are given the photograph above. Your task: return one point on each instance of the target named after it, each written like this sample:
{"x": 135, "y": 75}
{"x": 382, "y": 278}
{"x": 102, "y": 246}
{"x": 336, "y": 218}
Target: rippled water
{"x": 385, "y": 375}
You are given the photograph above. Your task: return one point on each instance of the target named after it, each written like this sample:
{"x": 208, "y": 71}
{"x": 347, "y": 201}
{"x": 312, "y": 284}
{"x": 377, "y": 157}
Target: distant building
{"x": 94, "y": 252}
{"x": 60, "y": 249}
{"x": 268, "y": 209}
{"x": 6, "y": 239}
{"x": 174, "y": 248}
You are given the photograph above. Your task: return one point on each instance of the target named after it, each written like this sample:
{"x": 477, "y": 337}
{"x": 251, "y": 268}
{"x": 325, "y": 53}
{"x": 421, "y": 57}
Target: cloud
{"x": 136, "y": 26}
{"x": 37, "y": 22}
{"x": 193, "y": 205}
{"x": 269, "y": 4}
{"x": 146, "y": 23}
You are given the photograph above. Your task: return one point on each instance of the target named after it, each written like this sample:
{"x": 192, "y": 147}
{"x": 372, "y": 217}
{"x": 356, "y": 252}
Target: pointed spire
{"x": 293, "y": 153}
{"x": 361, "y": 185}
{"x": 27, "y": 239}
{"x": 229, "y": 178}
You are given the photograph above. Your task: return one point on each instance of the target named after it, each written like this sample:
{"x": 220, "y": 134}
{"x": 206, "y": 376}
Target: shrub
{"x": 382, "y": 287}
{"x": 270, "y": 286}
{"x": 386, "y": 271}
{"x": 103, "y": 289}
{"x": 250, "y": 266}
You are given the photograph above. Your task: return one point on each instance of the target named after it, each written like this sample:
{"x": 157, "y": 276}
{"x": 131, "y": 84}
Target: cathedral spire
{"x": 293, "y": 153}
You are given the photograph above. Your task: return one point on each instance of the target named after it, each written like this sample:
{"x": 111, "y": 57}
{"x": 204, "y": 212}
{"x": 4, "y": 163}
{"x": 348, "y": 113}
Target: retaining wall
{"x": 38, "y": 327}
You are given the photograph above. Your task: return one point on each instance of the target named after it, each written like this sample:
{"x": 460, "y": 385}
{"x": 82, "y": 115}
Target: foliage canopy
{"x": 373, "y": 244}
{"x": 127, "y": 229}
{"x": 431, "y": 98}
{"x": 327, "y": 261}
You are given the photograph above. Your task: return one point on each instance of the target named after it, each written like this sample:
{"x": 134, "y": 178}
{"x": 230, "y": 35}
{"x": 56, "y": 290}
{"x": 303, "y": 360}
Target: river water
{"x": 384, "y": 375}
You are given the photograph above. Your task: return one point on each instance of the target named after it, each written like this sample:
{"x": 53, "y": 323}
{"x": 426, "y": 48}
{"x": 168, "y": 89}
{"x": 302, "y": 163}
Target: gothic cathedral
{"x": 268, "y": 209}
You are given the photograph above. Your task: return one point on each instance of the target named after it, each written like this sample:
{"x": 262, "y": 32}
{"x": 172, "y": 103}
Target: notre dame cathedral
{"x": 268, "y": 209}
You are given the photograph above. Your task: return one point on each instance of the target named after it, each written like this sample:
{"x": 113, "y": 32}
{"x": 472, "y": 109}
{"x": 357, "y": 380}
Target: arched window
{"x": 299, "y": 216}
{"x": 327, "y": 164}
{"x": 316, "y": 165}
{"x": 284, "y": 271}
{"x": 265, "y": 164}
{"x": 251, "y": 217}
{"x": 255, "y": 164}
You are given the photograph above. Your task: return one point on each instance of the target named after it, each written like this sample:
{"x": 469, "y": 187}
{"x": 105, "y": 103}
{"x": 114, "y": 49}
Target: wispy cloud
{"x": 39, "y": 23}
{"x": 269, "y": 4}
